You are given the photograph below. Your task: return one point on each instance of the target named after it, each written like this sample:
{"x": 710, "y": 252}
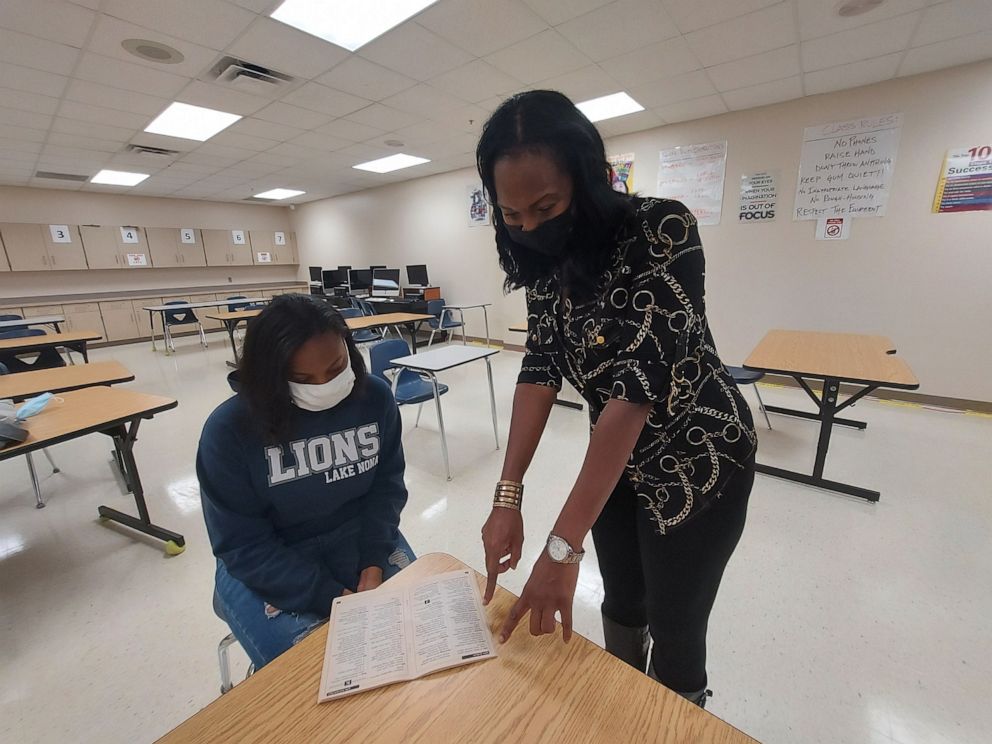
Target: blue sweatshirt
{"x": 259, "y": 500}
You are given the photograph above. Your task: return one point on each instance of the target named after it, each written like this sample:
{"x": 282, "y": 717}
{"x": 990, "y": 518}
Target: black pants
{"x": 669, "y": 582}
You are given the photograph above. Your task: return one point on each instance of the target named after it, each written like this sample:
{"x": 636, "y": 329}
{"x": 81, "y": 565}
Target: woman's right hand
{"x": 502, "y": 536}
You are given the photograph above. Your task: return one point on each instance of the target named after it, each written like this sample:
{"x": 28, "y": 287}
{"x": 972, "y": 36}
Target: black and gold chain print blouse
{"x": 643, "y": 338}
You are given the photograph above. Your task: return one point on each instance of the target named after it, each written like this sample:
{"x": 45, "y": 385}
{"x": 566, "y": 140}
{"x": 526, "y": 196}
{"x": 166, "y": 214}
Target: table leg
{"x": 492, "y": 401}
{"x": 413, "y": 329}
{"x": 124, "y": 439}
{"x": 440, "y": 423}
{"x": 232, "y": 326}
{"x": 815, "y": 417}
{"x": 57, "y": 327}
{"x": 151, "y": 324}
{"x": 461, "y": 314}
{"x": 485, "y": 317}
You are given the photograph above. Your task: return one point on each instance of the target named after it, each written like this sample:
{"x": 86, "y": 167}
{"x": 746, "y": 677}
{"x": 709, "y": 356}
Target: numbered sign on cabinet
{"x": 238, "y": 237}
{"x": 280, "y": 238}
{"x": 60, "y": 233}
{"x": 129, "y": 235}
{"x": 186, "y": 235}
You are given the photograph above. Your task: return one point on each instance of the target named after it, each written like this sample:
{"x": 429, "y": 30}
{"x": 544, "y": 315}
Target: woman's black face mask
{"x": 549, "y": 238}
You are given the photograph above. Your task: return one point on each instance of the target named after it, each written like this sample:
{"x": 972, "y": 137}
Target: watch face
{"x": 557, "y": 549}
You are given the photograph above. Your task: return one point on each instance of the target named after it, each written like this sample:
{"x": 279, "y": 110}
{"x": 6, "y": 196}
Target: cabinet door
{"x": 100, "y": 244}
{"x": 133, "y": 247}
{"x": 217, "y": 247}
{"x": 38, "y": 311}
{"x": 64, "y": 256}
{"x": 142, "y": 319}
{"x": 163, "y": 247}
{"x": 289, "y": 253}
{"x": 84, "y": 317}
{"x": 202, "y": 312}
{"x": 243, "y": 255}
{"x": 4, "y": 263}
{"x": 25, "y": 246}
{"x": 119, "y": 321}
{"x": 191, "y": 254}
{"x": 7, "y": 310}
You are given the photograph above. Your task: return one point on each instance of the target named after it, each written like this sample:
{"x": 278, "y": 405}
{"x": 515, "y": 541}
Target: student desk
{"x": 834, "y": 358}
{"x": 410, "y": 321}
{"x": 537, "y": 690}
{"x": 116, "y": 413}
{"x": 26, "y": 385}
{"x": 163, "y": 309}
{"x": 438, "y": 360}
{"x": 53, "y": 320}
{"x": 485, "y": 313}
{"x": 74, "y": 340}
{"x": 558, "y": 401}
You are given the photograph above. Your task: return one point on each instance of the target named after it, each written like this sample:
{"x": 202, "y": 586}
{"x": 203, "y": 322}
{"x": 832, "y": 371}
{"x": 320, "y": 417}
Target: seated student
{"x": 301, "y": 478}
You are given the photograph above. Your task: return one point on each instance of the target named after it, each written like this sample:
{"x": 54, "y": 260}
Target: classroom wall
{"x": 83, "y": 208}
{"x": 921, "y": 279}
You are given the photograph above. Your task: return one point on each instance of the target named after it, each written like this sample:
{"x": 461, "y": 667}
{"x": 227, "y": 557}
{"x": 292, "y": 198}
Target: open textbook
{"x": 394, "y": 635}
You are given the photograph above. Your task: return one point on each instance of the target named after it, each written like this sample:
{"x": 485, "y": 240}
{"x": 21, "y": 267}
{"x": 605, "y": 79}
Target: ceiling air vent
{"x": 155, "y": 152}
{"x": 61, "y": 176}
{"x": 249, "y": 77}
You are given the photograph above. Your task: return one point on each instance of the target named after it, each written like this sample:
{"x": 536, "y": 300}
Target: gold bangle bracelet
{"x": 506, "y": 506}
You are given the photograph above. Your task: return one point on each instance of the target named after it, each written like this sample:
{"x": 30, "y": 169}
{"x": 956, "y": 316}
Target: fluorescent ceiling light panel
{"x": 279, "y": 194}
{"x": 348, "y": 23}
{"x": 392, "y": 163}
{"x": 191, "y": 122}
{"x": 609, "y": 107}
{"x": 118, "y": 178}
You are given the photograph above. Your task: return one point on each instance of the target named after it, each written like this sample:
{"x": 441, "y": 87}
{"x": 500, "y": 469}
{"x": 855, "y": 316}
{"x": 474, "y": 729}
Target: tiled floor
{"x": 838, "y": 621}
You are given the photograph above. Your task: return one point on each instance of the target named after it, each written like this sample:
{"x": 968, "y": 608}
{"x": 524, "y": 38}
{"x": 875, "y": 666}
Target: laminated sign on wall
{"x": 759, "y": 196}
{"x": 965, "y": 183}
{"x": 693, "y": 175}
{"x": 623, "y": 172}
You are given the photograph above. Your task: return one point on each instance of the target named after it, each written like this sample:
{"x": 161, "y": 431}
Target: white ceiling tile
{"x": 119, "y": 74}
{"x": 692, "y": 15}
{"x": 26, "y": 79}
{"x": 264, "y": 129}
{"x": 476, "y": 82}
{"x": 96, "y": 94}
{"x": 110, "y": 32}
{"x": 90, "y": 129}
{"x": 481, "y": 26}
{"x": 467, "y": 119}
{"x": 863, "y": 42}
{"x": 191, "y": 170}
{"x": 636, "y": 122}
{"x": 18, "y": 150}
{"x": 365, "y": 79}
{"x": 362, "y": 151}
{"x": 819, "y": 18}
{"x": 30, "y": 51}
{"x": 957, "y": 51}
{"x": 413, "y": 50}
{"x": 653, "y": 62}
{"x": 210, "y": 24}
{"x": 697, "y": 108}
{"x": 54, "y": 20}
{"x": 322, "y": 142}
{"x": 293, "y": 150}
{"x": 294, "y": 116}
{"x": 764, "y": 94}
{"x": 221, "y": 98}
{"x": 382, "y": 117}
{"x": 556, "y": 12}
{"x": 745, "y": 36}
{"x": 259, "y": 6}
{"x": 24, "y": 101}
{"x": 101, "y": 115}
{"x": 350, "y": 130}
{"x": 637, "y": 22}
{"x": 424, "y": 100}
{"x": 761, "y": 68}
{"x": 286, "y": 49}
{"x": 30, "y": 119}
{"x": 423, "y": 133}
{"x": 546, "y": 55}
{"x": 581, "y": 85}
{"x": 672, "y": 90}
{"x": 952, "y": 19}
{"x": 326, "y": 100}
{"x": 225, "y": 151}
{"x": 244, "y": 141}
{"x": 8, "y": 131}
{"x": 852, "y": 75}
{"x": 88, "y": 143}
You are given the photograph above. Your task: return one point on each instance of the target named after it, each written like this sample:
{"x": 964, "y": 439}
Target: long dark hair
{"x": 272, "y": 338}
{"x": 548, "y": 122}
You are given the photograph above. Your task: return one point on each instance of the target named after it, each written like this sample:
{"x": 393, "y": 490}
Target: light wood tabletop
{"x": 49, "y": 339}
{"x": 539, "y": 689}
{"x": 226, "y": 315}
{"x": 843, "y": 356}
{"x": 63, "y": 379}
{"x": 355, "y": 324}
{"x": 85, "y": 411}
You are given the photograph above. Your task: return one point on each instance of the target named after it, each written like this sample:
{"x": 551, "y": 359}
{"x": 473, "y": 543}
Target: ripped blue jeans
{"x": 264, "y": 632}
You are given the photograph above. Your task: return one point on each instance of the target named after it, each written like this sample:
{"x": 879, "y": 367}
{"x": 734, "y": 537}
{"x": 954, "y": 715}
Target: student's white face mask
{"x": 323, "y": 397}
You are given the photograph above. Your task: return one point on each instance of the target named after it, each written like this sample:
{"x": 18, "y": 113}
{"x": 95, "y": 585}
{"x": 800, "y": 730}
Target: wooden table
{"x": 25, "y": 385}
{"x": 537, "y": 690}
{"x": 53, "y": 320}
{"x": 116, "y": 413}
{"x": 74, "y": 340}
{"x": 558, "y": 400}
{"x": 179, "y": 306}
{"x": 411, "y": 321}
{"x": 834, "y": 358}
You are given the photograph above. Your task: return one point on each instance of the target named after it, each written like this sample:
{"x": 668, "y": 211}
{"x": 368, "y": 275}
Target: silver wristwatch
{"x": 561, "y": 552}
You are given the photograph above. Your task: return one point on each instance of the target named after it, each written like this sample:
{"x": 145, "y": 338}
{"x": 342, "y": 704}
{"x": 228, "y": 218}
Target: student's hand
{"x": 549, "y": 590}
{"x": 502, "y": 536}
{"x": 346, "y": 591}
{"x": 371, "y": 578}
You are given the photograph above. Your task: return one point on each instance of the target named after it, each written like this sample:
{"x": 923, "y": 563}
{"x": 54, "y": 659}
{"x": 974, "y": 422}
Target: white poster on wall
{"x": 238, "y": 237}
{"x": 846, "y": 168}
{"x": 478, "y": 207}
{"x": 759, "y": 196}
{"x": 280, "y": 238}
{"x": 693, "y": 175}
{"x": 186, "y": 235}
{"x": 60, "y": 233}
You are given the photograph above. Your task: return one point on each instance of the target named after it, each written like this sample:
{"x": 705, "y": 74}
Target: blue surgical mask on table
{"x": 548, "y": 238}
{"x": 35, "y": 405}
{"x": 326, "y": 396}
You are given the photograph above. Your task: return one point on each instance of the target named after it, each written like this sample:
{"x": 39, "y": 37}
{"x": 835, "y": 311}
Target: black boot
{"x": 628, "y": 644}
{"x": 697, "y": 697}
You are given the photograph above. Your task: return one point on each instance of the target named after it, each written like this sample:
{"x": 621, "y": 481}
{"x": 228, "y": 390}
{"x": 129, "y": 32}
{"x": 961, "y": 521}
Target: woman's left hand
{"x": 549, "y": 590}
{"x": 370, "y": 578}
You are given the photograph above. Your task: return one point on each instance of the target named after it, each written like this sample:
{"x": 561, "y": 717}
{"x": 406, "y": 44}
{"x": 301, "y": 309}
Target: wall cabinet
{"x": 274, "y": 248}
{"x": 83, "y": 316}
{"x": 119, "y": 320}
{"x": 172, "y": 247}
{"x": 31, "y": 247}
{"x": 227, "y": 247}
{"x": 115, "y": 247}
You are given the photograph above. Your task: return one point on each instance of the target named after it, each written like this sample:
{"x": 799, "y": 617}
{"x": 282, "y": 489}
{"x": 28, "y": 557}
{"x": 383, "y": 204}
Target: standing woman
{"x": 614, "y": 287}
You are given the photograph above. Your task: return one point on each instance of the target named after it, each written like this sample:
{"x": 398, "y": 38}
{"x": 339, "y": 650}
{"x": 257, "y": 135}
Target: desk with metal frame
{"x": 461, "y": 313}
{"x": 73, "y": 341}
{"x": 53, "y": 320}
{"x": 163, "y": 309}
{"x": 116, "y": 413}
{"x": 432, "y": 362}
{"x": 834, "y": 358}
